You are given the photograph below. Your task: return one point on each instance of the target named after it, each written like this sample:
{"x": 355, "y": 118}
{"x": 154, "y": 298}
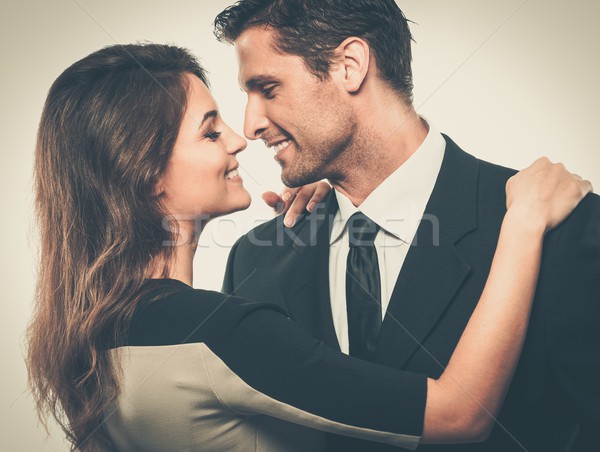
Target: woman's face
{"x": 201, "y": 180}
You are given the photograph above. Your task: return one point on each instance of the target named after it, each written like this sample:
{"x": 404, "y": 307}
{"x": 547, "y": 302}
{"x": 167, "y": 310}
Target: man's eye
{"x": 213, "y": 136}
{"x": 268, "y": 92}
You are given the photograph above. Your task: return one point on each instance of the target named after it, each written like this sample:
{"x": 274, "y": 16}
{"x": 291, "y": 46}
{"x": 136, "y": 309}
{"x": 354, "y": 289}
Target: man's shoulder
{"x": 274, "y": 237}
{"x": 489, "y": 174}
{"x": 493, "y": 170}
{"x": 488, "y": 171}
{"x": 585, "y": 219}
{"x": 271, "y": 238}
{"x": 590, "y": 207}
{"x": 582, "y": 226}
{"x": 247, "y": 246}
{"x": 585, "y": 216}
{"x": 265, "y": 231}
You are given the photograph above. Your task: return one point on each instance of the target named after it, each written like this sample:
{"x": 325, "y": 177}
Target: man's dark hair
{"x": 313, "y": 29}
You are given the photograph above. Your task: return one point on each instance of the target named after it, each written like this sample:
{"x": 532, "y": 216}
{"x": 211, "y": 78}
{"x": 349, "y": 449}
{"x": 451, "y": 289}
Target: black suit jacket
{"x": 554, "y": 401}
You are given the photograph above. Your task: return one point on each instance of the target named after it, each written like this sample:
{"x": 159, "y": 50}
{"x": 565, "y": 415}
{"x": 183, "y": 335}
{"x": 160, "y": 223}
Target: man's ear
{"x": 353, "y": 62}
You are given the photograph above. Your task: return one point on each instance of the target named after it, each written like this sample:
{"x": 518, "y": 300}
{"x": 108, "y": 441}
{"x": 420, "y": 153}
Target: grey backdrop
{"x": 509, "y": 81}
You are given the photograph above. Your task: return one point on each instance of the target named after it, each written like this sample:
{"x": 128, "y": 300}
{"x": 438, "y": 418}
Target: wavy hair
{"x": 107, "y": 131}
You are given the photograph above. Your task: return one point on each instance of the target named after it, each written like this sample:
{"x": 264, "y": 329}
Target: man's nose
{"x": 255, "y": 121}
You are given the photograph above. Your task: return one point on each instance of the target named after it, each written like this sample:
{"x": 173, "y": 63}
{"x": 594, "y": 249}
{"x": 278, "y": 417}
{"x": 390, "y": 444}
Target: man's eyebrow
{"x": 258, "y": 81}
{"x": 209, "y": 115}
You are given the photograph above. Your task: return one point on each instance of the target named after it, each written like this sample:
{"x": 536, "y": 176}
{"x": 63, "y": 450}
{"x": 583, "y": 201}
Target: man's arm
{"x": 572, "y": 285}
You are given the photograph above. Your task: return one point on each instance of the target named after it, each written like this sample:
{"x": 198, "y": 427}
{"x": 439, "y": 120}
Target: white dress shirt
{"x": 397, "y": 206}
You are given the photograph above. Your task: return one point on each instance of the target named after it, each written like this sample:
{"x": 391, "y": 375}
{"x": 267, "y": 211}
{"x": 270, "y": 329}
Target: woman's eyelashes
{"x": 212, "y": 135}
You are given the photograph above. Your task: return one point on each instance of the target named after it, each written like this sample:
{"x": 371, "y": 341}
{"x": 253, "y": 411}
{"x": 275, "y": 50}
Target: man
{"x": 329, "y": 88}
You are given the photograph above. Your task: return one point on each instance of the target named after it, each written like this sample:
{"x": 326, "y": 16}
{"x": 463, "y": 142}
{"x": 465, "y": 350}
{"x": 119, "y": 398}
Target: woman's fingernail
{"x": 287, "y": 196}
{"x": 310, "y": 207}
{"x": 289, "y": 222}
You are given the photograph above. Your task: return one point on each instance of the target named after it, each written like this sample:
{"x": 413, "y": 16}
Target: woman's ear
{"x": 353, "y": 62}
{"x": 158, "y": 188}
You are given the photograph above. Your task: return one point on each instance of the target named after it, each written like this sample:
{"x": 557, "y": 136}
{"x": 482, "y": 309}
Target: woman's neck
{"x": 181, "y": 263}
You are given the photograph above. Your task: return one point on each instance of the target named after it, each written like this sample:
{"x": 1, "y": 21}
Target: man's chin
{"x": 293, "y": 180}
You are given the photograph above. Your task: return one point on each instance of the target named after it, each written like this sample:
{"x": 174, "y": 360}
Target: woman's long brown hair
{"x": 106, "y": 133}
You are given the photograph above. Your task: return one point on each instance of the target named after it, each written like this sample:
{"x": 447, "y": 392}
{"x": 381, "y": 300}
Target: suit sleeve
{"x": 573, "y": 315}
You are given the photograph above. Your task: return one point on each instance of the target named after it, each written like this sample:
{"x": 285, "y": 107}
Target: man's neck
{"x": 380, "y": 151}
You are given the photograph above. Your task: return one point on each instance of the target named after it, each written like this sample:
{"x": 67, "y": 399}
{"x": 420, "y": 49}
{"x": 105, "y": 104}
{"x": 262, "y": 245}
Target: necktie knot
{"x": 361, "y": 230}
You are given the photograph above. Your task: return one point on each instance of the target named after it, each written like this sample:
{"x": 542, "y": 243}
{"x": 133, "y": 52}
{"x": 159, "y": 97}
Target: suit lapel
{"x": 304, "y": 275}
{"x": 434, "y": 269}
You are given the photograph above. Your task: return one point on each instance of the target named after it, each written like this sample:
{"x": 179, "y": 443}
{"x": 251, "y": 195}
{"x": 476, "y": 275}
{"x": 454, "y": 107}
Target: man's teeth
{"x": 231, "y": 174}
{"x": 281, "y": 146}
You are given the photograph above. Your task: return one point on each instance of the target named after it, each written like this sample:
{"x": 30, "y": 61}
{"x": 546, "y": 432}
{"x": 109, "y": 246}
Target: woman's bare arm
{"x": 462, "y": 404}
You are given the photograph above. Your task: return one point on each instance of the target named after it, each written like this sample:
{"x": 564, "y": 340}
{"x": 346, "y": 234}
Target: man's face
{"x": 307, "y": 122}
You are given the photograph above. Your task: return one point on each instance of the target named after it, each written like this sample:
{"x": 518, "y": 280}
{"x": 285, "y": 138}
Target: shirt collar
{"x": 398, "y": 203}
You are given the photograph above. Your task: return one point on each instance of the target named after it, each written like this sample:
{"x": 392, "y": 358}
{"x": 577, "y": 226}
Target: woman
{"x": 132, "y": 157}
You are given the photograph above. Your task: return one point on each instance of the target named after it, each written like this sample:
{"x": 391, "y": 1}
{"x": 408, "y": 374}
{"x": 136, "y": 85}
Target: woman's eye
{"x": 213, "y": 136}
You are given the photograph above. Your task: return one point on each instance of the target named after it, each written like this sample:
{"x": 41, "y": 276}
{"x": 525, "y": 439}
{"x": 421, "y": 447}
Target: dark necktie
{"x": 363, "y": 287}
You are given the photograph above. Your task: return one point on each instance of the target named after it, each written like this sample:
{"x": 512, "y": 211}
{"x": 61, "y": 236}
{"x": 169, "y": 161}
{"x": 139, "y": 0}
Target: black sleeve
{"x": 277, "y": 359}
{"x": 572, "y": 289}
{"x": 273, "y": 355}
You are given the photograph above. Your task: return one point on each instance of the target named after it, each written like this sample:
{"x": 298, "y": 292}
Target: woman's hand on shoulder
{"x": 293, "y": 202}
{"x": 544, "y": 194}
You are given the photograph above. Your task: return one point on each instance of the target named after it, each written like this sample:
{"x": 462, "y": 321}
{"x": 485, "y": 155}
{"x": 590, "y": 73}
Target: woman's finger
{"x": 323, "y": 188}
{"x": 586, "y": 186}
{"x": 298, "y": 205}
{"x": 294, "y": 201}
{"x": 274, "y": 201}
{"x": 288, "y": 194}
